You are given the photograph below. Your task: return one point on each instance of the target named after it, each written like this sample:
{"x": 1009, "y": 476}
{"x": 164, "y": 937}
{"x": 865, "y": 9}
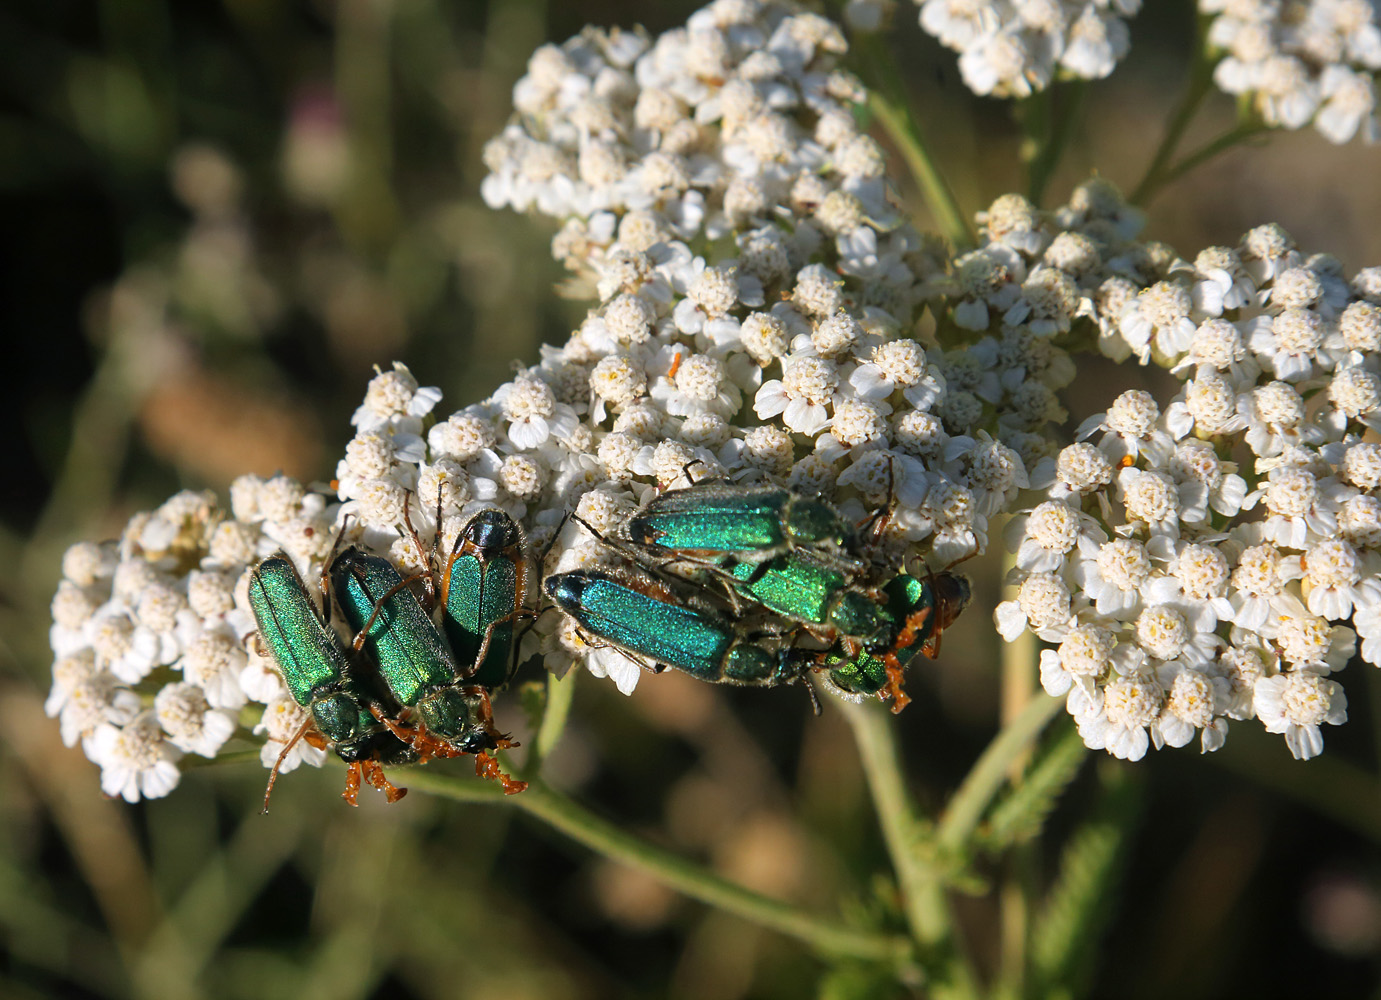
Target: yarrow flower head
{"x": 763, "y": 313}
{"x": 1190, "y": 558}
{"x": 790, "y": 363}
{"x": 1012, "y": 48}
{"x": 174, "y": 643}
{"x": 1300, "y": 63}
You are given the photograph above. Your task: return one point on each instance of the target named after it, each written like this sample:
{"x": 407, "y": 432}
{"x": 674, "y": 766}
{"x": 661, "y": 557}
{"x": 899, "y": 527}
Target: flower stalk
{"x": 1198, "y": 85}
{"x": 827, "y": 936}
{"x": 560, "y": 694}
{"x": 889, "y": 104}
{"x": 989, "y": 773}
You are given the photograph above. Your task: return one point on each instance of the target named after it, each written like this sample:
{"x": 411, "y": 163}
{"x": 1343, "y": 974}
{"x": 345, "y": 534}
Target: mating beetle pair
{"x": 401, "y": 692}
{"x": 787, "y": 566}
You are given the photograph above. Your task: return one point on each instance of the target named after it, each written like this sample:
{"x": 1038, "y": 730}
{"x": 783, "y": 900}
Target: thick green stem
{"x": 459, "y": 788}
{"x": 1016, "y": 896}
{"x": 921, "y": 887}
{"x": 824, "y": 934}
{"x": 912, "y": 853}
{"x": 934, "y": 189}
{"x": 889, "y": 104}
{"x": 989, "y": 774}
{"x": 560, "y": 692}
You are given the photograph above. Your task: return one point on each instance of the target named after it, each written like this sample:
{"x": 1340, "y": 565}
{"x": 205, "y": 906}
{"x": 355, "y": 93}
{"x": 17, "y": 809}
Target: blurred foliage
{"x": 218, "y": 218}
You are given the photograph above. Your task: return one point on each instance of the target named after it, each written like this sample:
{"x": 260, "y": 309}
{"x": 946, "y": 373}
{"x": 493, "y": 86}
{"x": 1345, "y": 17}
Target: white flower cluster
{"x": 1196, "y": 562}
{"x": 1013, "y": 48}
{"x": 1301, "y": 61}
{"x": 764, "y": 315}
{"x": 153, "y": 637}
{"x": 737, "y": 127}
{"x": 792, "y": 361}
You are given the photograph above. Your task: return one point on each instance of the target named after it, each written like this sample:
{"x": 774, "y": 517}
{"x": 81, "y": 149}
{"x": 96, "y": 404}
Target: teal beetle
{"x": 653, "y": 620}
{"x": 341, "y": 693}
{"x": 482, "y": 596}
{"x": 446, "y": 714}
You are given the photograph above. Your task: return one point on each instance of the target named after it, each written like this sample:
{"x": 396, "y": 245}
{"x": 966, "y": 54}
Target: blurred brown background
{"x": 217, "y": 218}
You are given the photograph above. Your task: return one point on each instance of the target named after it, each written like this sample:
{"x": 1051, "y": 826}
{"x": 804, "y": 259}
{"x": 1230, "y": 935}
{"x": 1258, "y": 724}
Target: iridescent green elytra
{"x": 482, "y": 593}
{"x": 755, "y": 522}
{"x": 639, "y": 614}
{"x": 791, "y": 554}
{"x": 320, "y": 675}
{"x": 413, "y": 657}
{"x": 801, "y": 586}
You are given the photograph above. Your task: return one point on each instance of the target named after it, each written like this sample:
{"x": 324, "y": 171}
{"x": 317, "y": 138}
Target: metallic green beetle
{"x": 806, "y": 588}
{"x": 413, "y": 657}
{"x": 482, "y": 595}
{"x": 815, "y": 579}
{"x": 754, "y": 522}
{"x": 792, "y": 554}
{"x": 945, "y": 595}
{"x": 643, "y": 616}
{"x": 338, "y": 692}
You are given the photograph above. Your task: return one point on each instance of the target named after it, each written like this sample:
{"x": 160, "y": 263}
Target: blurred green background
{"x": 217, "y": 217}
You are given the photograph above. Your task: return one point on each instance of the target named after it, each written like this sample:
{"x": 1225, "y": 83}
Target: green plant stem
{"x": 1017, "y": 895}
{"x": 541, "y": 801}
{"x": 1017, "y": 898}
{"x": 987, "y": 776}
{"x": 1197, "y": 88}
{"x": 560, "y": 692}
{"x": 888, "y": 102}
{"x": 922, "y": 891}
{"x": 1019, "y": 664}
{"x": 1161, "y": 173}
{"x": 901, "y": 127}
{"x": 911, "y": 852}
{"x": 1061, "y": 106}
{"x": 1232, "y": 137}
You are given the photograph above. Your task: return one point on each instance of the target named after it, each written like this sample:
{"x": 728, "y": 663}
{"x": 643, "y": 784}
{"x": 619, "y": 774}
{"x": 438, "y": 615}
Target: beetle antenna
{"x": 278, "y": 764}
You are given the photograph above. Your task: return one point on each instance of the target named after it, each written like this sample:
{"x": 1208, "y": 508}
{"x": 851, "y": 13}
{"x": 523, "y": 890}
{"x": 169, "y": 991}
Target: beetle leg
{"x": 487, "y": 767}
{"x": 352, "y": 783}
{"x": 374, "y": 774}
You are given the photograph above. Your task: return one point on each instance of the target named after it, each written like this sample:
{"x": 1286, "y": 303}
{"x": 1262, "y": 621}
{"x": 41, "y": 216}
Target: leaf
{"x": 1066, "y": 931}
{"x": 852, "y": 981}
{"x": 1023, "y": 811}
